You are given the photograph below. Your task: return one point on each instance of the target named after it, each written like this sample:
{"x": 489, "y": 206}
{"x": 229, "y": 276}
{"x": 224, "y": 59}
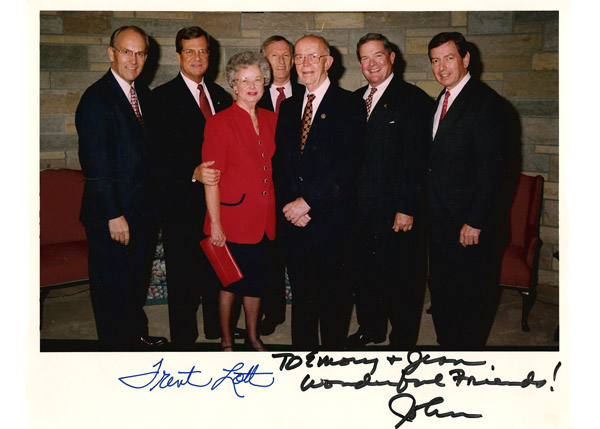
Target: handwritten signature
{"x": 194, "y": 378}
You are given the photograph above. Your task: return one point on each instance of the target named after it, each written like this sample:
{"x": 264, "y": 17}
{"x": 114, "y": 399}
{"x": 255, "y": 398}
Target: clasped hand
{"x": 296, "y": 212}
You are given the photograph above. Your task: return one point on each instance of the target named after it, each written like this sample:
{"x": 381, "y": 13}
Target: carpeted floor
{"x": 68, "y": 324}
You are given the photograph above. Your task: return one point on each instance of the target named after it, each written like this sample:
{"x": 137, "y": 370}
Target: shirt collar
{"x": 125, "y": 86}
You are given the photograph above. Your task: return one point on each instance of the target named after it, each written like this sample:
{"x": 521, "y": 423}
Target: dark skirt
{"x": 251, "y": 259}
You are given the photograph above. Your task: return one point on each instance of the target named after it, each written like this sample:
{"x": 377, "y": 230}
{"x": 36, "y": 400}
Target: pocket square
{"x": 392, "y": 122}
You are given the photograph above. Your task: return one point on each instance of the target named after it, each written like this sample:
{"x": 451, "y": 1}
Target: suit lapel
{"x": 454, "y": 113}
{"x": 389, "y": 96}
{"x": 121, "y": 101}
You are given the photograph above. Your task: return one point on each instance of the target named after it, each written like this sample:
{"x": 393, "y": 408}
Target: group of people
{"x": 340, "y": 188}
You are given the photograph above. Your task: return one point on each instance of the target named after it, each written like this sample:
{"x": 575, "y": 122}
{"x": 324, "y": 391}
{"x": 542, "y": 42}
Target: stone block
{"x": 73, "y": 160}
{"x": 531, "y": 85}
{"x": 87, "y": 22}
{"x": 98, "y": 53}
{"x": 72, "y": 40}
{"x": 395, "y": 36}
{"x": 542, "y": 131}
{"x": 52, "y": 155}
{"x": 155, "y": 27}
{"x": 545, "y": 61}
{"x": 70, "y": 124}
{"x": 485, "y": 22}
{"x": 535, "y": 16}
{"x": 549, "y": 234}
{"x": 51, "y": 24}
{"x": 53, "y": 163}
{"x": 55, "y": 142}
{"x": 350, "y": 63}
{"x": 550, "y": 191}
{"x": 489, "y": 76}
{"x": 531, "y": 161}
{"x": 406, "y": 19}
{"x": 253, "y": 34}
{"x": 74, "y": 80}
{"x": 278, "y": 21}
{"x": 103, "y": 67}
{"x": 550, "y": 39}
{"x": 240, "y": 42}
{"x": 432, "y": 88}
{"x": 417, "y": 45}
{"x": 219, "y": 24}
{"x": 44, "y": 80}
{"x": 510, "y": 43}
{"x": 555, "y": 264}
{"x": 412, "y": 77}
{"x": 529, "y": 28}
{"x": 63, "y": 57}
{"x": 430, "y": 32}
{"x": 339, "y": 20}
{"x": 506, "y": 62}
{"x": 58, "y": 102}
{"x": 350, "y": 81}
{"x": 548, "y": 277}
{"x": 545, "y": 262}
{"x": 52, "y": 124}
{"x": 496, "y": 85}
{"x": 123, "y": 14}
{"x": 164, "y": 15}
{"x": 417, "y": 63}
{"x": 546, "y": 149}
{"x": 536, "y": 108}
{"x": 554, "y": 168}
{"x": 550, "y": 213}
{"x": 458, "y": 19}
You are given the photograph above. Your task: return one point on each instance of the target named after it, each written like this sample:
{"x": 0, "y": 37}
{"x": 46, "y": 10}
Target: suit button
{"x": 429, "y": 169}
{"x": 263, "y": 155}
{"x": 265, "y": 167}
{"x": 266, "y": 181}
{"x": 259, "y": 142}
{"x": 264, "y": 192}
{"x": 301, "y": 179}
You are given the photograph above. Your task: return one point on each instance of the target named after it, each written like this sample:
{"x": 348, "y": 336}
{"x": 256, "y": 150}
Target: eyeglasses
{"x": 258, "y": 80}
{"x": 312, "y": 58}
{"x": 141, "y": 55}
{"x": 192, "y": 52}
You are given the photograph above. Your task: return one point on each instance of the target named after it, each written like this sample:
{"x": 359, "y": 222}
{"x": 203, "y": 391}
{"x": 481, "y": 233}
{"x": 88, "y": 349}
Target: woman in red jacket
{"x": 241, "y": 207}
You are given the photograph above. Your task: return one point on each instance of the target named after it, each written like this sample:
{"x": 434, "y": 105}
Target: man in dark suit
{"x": 389, "y": 253}
{"x": 182, "y": 107}
{"x": 465, "y": 171}
{"x": 279, "y": 52}
{"x": 115, "y": 209}
{"x": 320, "y": 137}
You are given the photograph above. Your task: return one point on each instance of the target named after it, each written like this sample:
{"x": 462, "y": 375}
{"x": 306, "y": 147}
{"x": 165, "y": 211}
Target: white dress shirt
{"x": 319, "y": 94}
{"x": 193, "y": 86}
{"x": 453, "y": 94}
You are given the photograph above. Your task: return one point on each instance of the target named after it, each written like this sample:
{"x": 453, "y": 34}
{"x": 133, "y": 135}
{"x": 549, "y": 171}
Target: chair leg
{"x": 43, "y": 294}
{"x": 528, "y": 301}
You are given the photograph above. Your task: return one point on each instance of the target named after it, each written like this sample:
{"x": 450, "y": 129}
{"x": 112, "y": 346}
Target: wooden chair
{"x": 63, "y": 243}
{"x": 521, "y": 255}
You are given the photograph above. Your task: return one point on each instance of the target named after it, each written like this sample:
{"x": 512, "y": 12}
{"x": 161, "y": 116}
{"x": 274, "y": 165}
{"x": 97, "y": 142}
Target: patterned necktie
{"x": 369, "y": 101}
{"x": 204, "y": 106}
{"x": 306, "y": 121}
{"x": 280, "y": 98}
{"x": 134, "y": 103}
{"x": 445, "y": 105}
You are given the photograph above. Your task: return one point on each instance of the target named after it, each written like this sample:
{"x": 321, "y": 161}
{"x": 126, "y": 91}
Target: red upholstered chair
{"x": 520, "y": 259}
{"x": 63, "y": 243}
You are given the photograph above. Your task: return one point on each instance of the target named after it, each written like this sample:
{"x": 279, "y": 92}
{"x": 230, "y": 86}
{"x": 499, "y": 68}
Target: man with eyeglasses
{"x": 182, "y": 107}
{"x": 113, "y": 129}
{"x": 389, "y": 252}
{"x": 320, "y": 138}
{"x": 279, "y": 52}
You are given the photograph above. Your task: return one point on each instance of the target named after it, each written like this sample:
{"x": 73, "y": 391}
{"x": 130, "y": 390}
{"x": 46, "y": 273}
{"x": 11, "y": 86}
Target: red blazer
{"x": 246, "y": 185}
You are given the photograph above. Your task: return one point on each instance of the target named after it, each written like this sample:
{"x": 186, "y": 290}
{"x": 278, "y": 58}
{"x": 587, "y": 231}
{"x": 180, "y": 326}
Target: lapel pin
{"x": 385, "y": 105}
{"x": 323, "y": 115}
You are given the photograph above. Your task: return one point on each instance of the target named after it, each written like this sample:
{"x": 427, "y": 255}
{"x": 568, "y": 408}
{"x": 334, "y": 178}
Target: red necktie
{"x": 280, "y": 98}
{"x": 134, "y": 104}
{"x": 445, "y": 105}
{"x": 204, "y": 106}
{"x": 369, "y": 101}
{"x": 306, "y": 120}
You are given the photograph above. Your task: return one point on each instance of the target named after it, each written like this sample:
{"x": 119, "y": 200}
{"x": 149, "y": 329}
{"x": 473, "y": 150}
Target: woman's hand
{"x": 217, "y": 235}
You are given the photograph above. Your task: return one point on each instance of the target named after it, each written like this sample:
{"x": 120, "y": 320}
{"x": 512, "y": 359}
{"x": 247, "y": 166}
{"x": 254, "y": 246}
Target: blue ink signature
{"x": 193, "y": 378}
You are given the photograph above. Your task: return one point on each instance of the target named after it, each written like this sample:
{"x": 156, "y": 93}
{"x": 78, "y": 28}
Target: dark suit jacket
{"x": 113, "y": 152}
{"x": 325, "y": 174}
{"x": 466, "y": 163}
{"x": 177, "y": 143}
{"x": 265, "y": 101}
{"x": 393, "y": 172}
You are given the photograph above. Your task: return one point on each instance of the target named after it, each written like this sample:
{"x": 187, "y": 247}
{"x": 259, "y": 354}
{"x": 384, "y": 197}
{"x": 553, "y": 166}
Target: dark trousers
{"x": 119, "y": 279}
{"x": 273, "y": 301}
{"x": 390, "y": 284}
{"x": 463, "y": 282}
{"x": 319, "y": 273}
{"x": 188, "y": 280}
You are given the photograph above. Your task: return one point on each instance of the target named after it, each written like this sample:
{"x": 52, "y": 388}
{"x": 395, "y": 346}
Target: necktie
{"x": 369, "y": 101}
{"x": 445, "y": 105}
{"x": 204, "y": 106}
{"x": 280, "y": 98}
{"x": 306, "y": 121}
{"x": 134, "y": 104}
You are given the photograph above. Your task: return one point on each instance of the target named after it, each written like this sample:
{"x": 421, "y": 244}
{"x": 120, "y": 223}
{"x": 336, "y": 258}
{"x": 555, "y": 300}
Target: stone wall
{"x": 518, "y": 50}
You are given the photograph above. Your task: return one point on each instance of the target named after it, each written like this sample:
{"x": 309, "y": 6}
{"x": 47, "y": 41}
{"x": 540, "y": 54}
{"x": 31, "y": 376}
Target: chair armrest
{"x": 530, "y": 249}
